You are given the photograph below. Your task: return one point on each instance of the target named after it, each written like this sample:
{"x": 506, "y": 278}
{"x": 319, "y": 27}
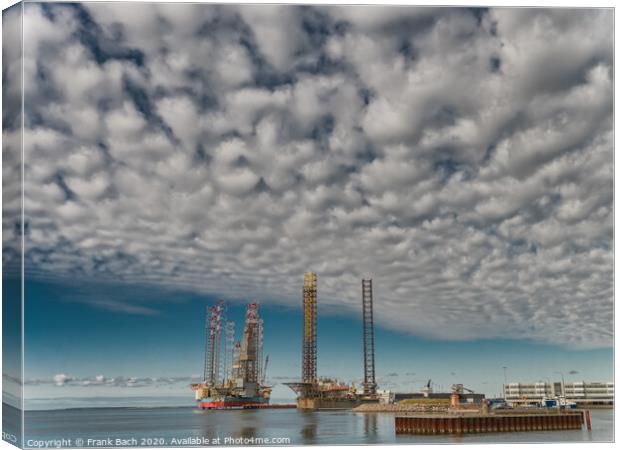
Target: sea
{"x": 189, "y": 426}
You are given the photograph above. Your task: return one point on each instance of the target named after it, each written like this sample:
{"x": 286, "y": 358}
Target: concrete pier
{"x": 462, "y": 424}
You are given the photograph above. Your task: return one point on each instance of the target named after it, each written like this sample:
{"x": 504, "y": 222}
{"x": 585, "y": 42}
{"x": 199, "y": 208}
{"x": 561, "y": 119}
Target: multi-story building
{"x": 522, "y": 394}
{"x": 583, "y": 393}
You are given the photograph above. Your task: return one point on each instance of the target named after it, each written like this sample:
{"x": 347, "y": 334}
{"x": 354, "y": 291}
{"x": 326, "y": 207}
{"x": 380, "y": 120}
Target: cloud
{"x": 63, "y": 380}
{"x": 124, "y": 307}
{"x": 462, "y": 157}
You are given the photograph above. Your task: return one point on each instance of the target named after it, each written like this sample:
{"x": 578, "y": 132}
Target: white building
{"x": 519, "y": 394}
{"x": 585, "y": 393}
{"x": 581, "y": 392}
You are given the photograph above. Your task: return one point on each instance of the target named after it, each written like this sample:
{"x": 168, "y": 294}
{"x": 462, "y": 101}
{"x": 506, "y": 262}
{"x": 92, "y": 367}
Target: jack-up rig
{"x": 234, "y": 378}
{"x": 326, "y": 393}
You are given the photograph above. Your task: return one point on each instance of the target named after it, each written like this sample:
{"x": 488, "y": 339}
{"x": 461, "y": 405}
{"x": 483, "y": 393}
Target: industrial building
{"x": 520, "y": 394}
{"x": 588, "y": 394}
{"x": 386, "y": 397}
{"x": 466, "y": 397}
{"x": 459, "y": 395}
{"x": 581, "y": 392}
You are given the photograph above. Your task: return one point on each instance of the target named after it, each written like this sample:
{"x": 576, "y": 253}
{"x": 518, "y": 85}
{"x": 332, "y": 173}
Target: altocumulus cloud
{"x": 461, "y": 157}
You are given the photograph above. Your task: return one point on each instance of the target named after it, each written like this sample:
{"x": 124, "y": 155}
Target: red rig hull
{"x": 233, "y": 403}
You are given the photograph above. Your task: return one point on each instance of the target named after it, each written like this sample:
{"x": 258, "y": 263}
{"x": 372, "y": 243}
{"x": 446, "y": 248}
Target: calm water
{"x": 161, "y": 425}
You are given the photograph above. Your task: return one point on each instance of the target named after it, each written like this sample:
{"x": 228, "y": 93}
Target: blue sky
{"x": 180, "y": 153}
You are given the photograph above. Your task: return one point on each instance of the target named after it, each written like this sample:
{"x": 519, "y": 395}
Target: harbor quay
{"x": 491, "y": 423}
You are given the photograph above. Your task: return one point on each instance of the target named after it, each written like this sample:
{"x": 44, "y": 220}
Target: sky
{"x": 180, "y": 154}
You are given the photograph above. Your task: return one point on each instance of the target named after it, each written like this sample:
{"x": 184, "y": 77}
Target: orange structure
{"x": 308, "y": 370}
{"x": 455, "y": 401}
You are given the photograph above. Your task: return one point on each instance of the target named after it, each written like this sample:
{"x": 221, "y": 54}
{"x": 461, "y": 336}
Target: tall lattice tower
{"x": 207, "y": 371}
{"x": 213, "y": 338}
{"x": 259, "y": 358}
{"x": 248, "y": 355}
{"x": 370, "y": 385}
{"x": 308, "y": 371}
{"x": 229, "y": 346}
{"x": 236, "y": 365}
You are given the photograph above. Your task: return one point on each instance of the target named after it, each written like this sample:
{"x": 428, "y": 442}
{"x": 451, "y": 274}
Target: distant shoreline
{"x": 126, "y": 407}
{"x": 81, "y": 408}
{"x": 78, "y": 408}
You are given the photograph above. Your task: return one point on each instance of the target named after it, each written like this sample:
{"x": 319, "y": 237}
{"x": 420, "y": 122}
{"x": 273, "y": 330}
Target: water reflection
{"x": 322, "y": 428}
{"x": 309, "y": 430}
{"x": 208, "y": 428}
{"x": 370, "y": 428}
{"x": 249, "y": 432}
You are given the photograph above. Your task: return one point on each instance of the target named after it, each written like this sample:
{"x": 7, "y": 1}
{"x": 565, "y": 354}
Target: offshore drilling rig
{"x": 325, "y": 393}
{"x": 234, "y": 378}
